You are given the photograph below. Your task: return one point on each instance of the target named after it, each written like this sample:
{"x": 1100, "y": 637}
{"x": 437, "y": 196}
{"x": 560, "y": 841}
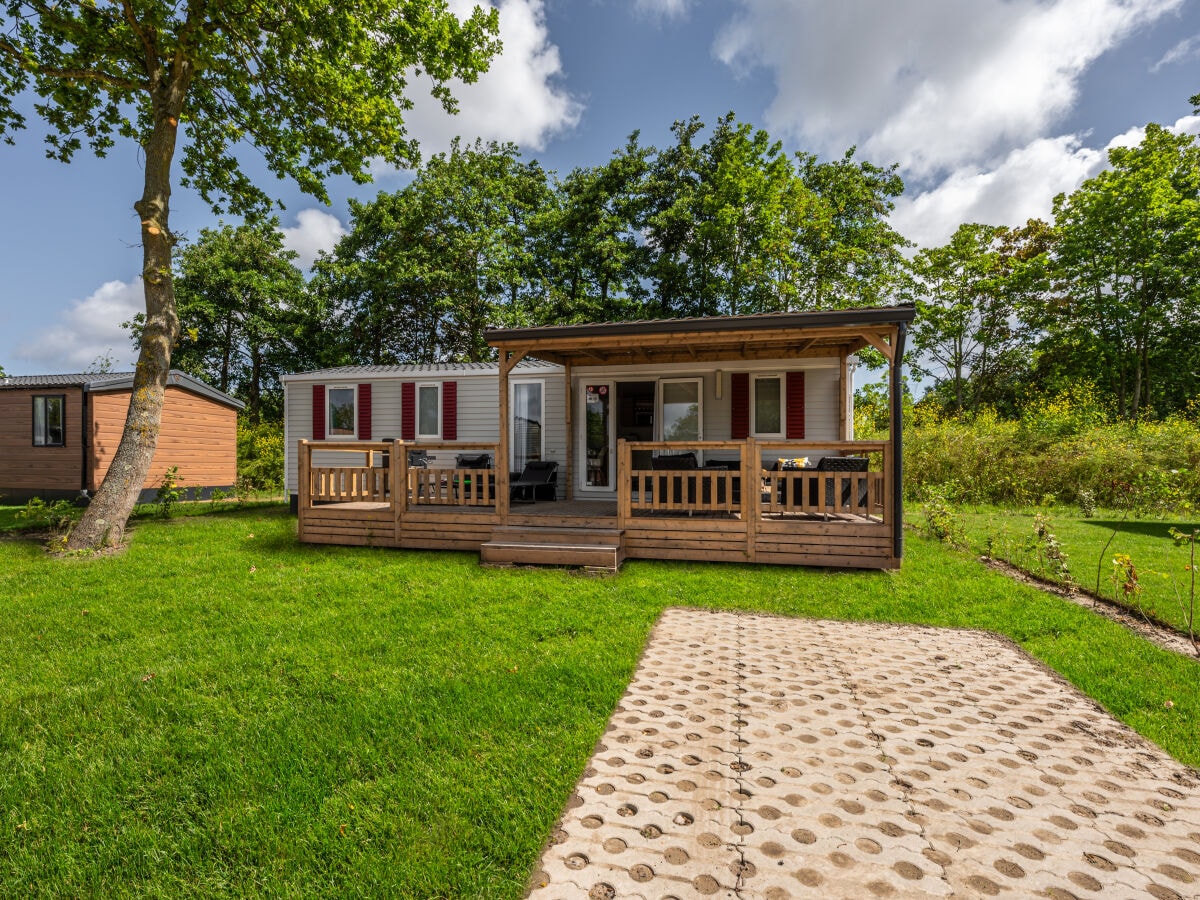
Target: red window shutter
{"x": 795, "y": 406}
{"x": 449, "y": 410}
{"x": 739, "y": 405}
{"x": 408, "y": 411}
{"x": 318, "y": 411}
{"x": 364, "y": 412}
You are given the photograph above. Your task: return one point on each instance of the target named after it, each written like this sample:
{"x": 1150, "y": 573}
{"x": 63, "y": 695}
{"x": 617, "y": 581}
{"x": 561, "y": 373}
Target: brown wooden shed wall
{"x": 197, "y": 434}
{"x": 26, "y": 467}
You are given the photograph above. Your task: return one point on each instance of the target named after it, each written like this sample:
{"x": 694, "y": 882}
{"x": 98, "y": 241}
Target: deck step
{"x": 522, "y": 553}
{"x": 531, "y": 534}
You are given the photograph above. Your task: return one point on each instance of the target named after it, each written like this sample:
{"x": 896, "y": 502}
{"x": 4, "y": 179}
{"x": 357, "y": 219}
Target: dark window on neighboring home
{"x": 49, "y": 420}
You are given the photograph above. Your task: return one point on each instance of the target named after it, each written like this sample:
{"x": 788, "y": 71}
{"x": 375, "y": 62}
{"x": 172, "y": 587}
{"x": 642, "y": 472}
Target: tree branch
{"x": 12, "y": 50}
{"x": 153, "y": 67}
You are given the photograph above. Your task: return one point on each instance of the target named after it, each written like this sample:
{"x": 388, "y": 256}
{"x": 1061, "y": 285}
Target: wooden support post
{"x": 889, "y": 512}
{"x": 304, "y": 477}
{"x": 569, "y": 468}
{"x": 751, "y": 495}
{"x": 844, "y": 395}
{"x": 399, "y": 481}
{"x": 624, "y": 486}
{"x": 507, "y": 363}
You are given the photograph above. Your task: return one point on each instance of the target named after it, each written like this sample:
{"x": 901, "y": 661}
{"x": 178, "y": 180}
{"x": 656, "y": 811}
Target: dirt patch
{"x": 1165, "y": 637}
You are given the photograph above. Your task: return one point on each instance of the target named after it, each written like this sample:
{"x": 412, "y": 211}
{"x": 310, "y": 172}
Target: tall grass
{"x": 1058, "y": 450}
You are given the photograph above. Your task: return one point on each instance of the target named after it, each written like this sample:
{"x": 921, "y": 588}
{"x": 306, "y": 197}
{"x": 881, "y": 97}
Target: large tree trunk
{"x": 103, "y": 524}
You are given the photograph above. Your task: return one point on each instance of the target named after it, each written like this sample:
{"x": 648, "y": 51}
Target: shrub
{"x": 169, "y": 492}
{"x": 260, "y": 456}
{"x": 1147, "y": 468}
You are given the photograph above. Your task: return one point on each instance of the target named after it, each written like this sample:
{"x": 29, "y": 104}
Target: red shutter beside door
{"x": 318, "y": 412}
{"x": 364, "y": 412}
{"x": 449, "y": 410}
{"x": 739, "y": 405}
{"x": 795, "y": 406}
{"x": 408, "y": 411}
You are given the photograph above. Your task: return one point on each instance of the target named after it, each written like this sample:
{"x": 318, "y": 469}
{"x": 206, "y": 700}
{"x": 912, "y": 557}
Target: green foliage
{"x": 1152, "y": 468}
{"x": 169, "y": 493}
{"x": 1087, "y": 503}
{"x": 57, "y": 515}
{"x": 317, "y": 89}
{"x": 942, "y": 522}
{"x": 260, "y": 456}
{"x": 245, "y": 315}
{"x": 1051, "y": 558}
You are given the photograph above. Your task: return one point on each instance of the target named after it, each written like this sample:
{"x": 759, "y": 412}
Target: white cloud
{"x": 87, "y": 329}
{"x": 662, "y": 9}
{"x": 1020, "y": 187}
{"x": 518, "y": 99}
{"x": 1181, "y": 52}
{"x": 931, "y": 84}
{"x": 314, "y": 231}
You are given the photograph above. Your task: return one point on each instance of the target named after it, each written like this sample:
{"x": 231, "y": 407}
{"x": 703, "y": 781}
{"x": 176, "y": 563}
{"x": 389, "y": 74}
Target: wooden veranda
{"x": 743, "y": 509}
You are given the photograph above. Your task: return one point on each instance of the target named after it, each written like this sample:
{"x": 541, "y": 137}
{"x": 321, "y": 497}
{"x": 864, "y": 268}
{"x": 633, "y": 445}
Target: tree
{"x": 847, "y": 253}
{"x": 425, "y": 270}
{"x": 316, "y": 88}
{"x": 959, "y": 307}
{"x": 1127, "y": 266}
{"x": 241, "y": 301}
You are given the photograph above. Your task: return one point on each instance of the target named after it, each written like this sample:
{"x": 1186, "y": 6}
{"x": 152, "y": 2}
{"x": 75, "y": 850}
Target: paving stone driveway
{"x": 764, "y": 757}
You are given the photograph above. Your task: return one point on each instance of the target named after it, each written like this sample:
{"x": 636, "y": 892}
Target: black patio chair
{"x": 676, "y": 462}
{"x": 845, "y": 464}
{"x": 473, "y": 461}
{"x": 538, "y": 481}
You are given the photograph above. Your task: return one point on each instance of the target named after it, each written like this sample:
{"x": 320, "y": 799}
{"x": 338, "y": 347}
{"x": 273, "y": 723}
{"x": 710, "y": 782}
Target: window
{"x": 681, "y": 410}
{"x": 528, "y": 433}
{"x": 429, "y": 410}
{"x": 49, "y": 420}
{"x": 341, "y": 412}
{"x": 766, "y": 405}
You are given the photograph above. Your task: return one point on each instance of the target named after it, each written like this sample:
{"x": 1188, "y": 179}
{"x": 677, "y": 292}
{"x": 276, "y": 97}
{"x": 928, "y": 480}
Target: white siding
{"x": 477, "y": 414}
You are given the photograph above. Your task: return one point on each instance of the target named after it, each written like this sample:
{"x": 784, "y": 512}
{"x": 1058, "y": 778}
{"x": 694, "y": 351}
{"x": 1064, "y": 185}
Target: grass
{"x": 1161, "y": 566}
{"x": 221, "y": 711}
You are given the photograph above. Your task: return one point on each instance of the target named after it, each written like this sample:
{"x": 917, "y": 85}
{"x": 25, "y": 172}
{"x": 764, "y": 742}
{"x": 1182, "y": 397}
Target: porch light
{"x": 720, "y": 379}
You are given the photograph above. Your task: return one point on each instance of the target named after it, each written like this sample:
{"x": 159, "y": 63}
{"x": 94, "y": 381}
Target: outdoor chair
{"x": 473, "y": 461}
{"x": 676, "y": 462}
{"x": 538, "y": 481}
{"x": 845, "y": 464}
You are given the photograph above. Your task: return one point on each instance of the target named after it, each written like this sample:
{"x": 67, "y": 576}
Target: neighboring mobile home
{"x": 60, "y": 432}
{"x": 764, "y": 402}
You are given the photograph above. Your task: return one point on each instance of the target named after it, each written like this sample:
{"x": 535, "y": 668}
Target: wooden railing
{"x": 343, "y": 483}
{"x": 447, "y": 485}
{"x": 434, "y": 486}
{"x": 810, "y": 490}
{"x": 749, "y": 488}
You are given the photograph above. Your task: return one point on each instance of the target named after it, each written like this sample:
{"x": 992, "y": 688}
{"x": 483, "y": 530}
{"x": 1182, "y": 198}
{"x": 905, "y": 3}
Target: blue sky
{"x": 990, "y": 107}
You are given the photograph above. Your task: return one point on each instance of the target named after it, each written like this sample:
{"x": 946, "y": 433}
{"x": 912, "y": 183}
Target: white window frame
{"x": 660, "y": 418}
{"x": 512, "y": 407}
{"x": 329, "y": 434}
{"x": 422, "y": 435}
{"x": 754, "y": 380}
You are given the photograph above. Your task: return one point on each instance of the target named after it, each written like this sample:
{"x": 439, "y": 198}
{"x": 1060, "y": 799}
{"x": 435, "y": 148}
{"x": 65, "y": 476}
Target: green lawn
{"x": 220, "y": 711}
{"x": 1161, "y": 566}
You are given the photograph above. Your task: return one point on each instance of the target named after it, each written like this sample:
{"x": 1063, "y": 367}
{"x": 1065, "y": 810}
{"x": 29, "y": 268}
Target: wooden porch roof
{"x": 710, "y": 339}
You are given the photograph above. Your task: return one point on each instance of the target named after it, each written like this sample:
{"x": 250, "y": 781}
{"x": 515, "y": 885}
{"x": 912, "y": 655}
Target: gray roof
{"x": 420, "y": 371}
{"x": 874, "y": 315}
{"x": 116, "y": 381}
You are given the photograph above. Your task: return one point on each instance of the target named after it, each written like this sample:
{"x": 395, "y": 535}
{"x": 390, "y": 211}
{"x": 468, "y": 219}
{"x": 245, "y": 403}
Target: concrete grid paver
{"x": 761, "y": 757}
